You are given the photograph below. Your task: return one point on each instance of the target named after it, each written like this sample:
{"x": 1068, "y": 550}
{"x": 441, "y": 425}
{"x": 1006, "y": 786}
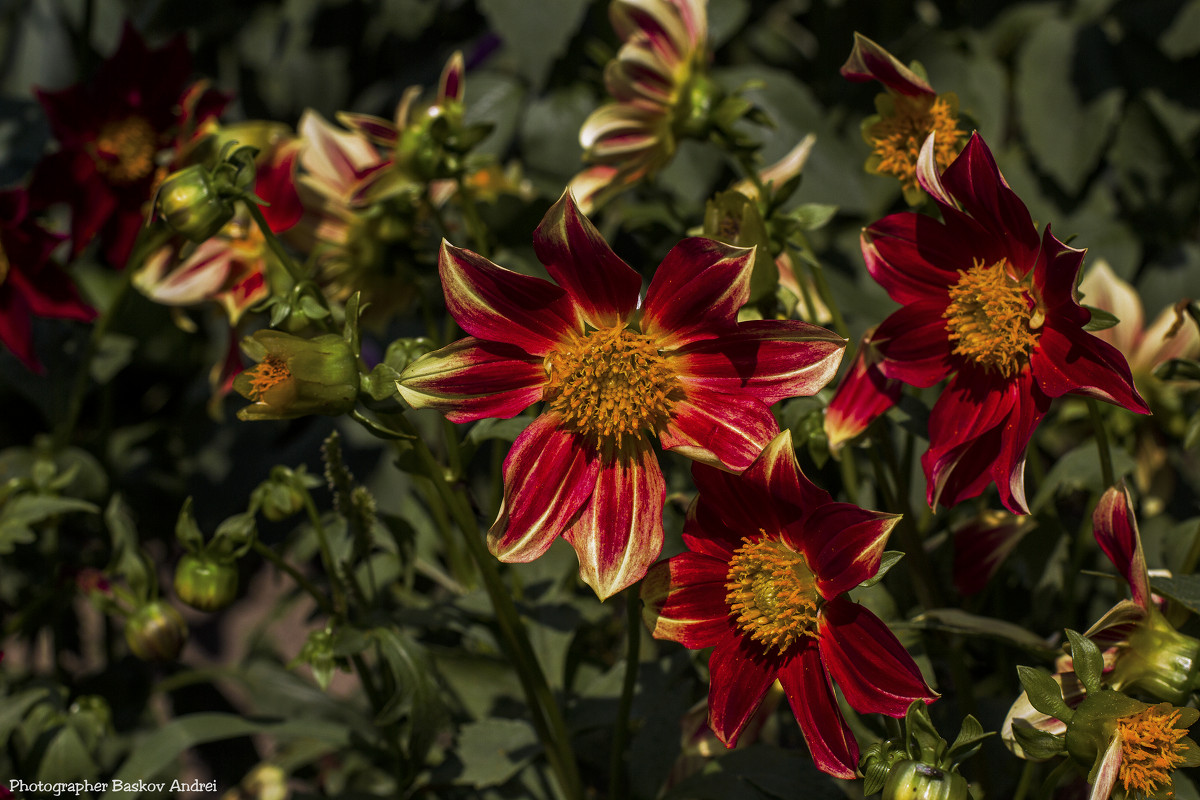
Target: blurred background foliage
{"x": 1091, "y": 107}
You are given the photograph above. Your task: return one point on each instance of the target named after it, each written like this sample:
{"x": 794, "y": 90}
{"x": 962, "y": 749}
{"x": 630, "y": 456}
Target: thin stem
{"x": 1051, "y": 782}
{"x": 1025, "y": 782}
{"x": 633, "y": 630}
{"x": 818, "y": 274}
{"x": 304, "y": 583}
{"x": 331, "y": 568}
{"x": 849, "y": 471}
{"x": 273, "y": 241}
{"x": 475, "y": 227}
{"x": 1102, "y": 443}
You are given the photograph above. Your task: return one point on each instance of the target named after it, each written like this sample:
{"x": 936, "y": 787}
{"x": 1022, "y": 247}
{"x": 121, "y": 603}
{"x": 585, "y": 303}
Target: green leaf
{"x": 1178, "y": 369}
{"x": 187, "y": 532}
{"x": 157, "y": 749}
{"x": 416, "y": 690}
{"x": 812, "y": 216}
{"x": 890, "y": 559}
{"x": 922, "y": 739}
{"x": 1182, "y": 38}
{"x": 758, "y": 772}
{"x": 19, "y": 514}
{"x": 970, "y": 739}
{"x": 1038, "y": 745}
{"x": 1183, "y": 589}
{"x": 534, "y": 34}
{"x": 66, "y": 758}
{"x": 1080, "y": 469}
{"x": 14, "y": 708}
{"x": 1044, "y": 694}
{"x": 1087, "y": 661}
{"x": 493, "y": 750}
{"x": 954, "y": 620}
{"x": 1100, "y": 320}
{"x": 112, "y": 356}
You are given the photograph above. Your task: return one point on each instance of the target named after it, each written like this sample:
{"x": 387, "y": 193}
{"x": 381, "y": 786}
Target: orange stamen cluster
{"x": 990, "y": 318}
{"x": 1150, "y": 748}
{"x": 898, "y": 137}
{"x": 125, "y": 150}
{"x": 272, "y": 371}
{"x": 611, "y": 384}
{"x": 773, "y": 593}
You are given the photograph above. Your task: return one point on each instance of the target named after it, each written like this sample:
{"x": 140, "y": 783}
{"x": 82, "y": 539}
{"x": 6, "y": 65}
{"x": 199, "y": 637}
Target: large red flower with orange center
{"x": 111, "y": 130}
{"x": 612, "y": 374}
{"x": 990, "y": 305}
{"x": 763, "y": 582}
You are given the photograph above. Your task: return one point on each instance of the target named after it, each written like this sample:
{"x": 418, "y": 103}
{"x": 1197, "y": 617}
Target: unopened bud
{"x": 156, "y": 632}
{"x": 191, "y": 205}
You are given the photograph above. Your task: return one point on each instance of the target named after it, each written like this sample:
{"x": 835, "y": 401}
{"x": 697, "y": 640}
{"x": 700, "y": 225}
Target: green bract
{"x": 296, "y": 377}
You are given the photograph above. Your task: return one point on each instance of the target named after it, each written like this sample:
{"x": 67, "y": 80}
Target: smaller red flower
{"x": 111, "y": 131}
{"x": 863, "y": 395}
{"x": 770, "y": 559}
{"x": 30, "y": 284}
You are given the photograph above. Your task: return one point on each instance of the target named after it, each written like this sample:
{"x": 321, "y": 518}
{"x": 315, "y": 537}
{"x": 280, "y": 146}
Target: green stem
{"x": 331, "y": 568}
{"x": 475, "y": 227}
{"x": 633, "y": 626}
{"x": 818, "y": 274}
{"x": 1025, "y": 782}
{"x": 802, "y": 282}
{"x": 304, "y": 583}
{"x": 547, "y": 719}
{"x": 1051, "y": 782}
{"x": 149, "y": 240}
{"x": 273, "y": 242}
{"x": 1102, "y": 443}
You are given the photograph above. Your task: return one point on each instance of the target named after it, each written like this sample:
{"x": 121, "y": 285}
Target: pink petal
{"x": 685, "y": 600}
{"x": 722, "y": 430}
{"x": 473, "y": 379}
{"x": 696, "y": 292}
{"x": 811, "y": 697}
{"x": 500, "y": 305}
{"x": 589, "y": 186}
{"x": 843, "y": 544}
{"x": 601, "y": 285}
{"x": 1116, "y": 531}
{"x": 1110, "y": 769}
{"x": 913, "y": 344}
{"x": 769, "y": 359}
{"x": 619, "y": 534}
{"x": 868, "y": 663}
{"x": 1103, "y": 288}
{"x": 548, "y": 477}
{"x": 1072, "y": 360}
{"x": 869, "y": 61}
{"x": 739, "y": 674}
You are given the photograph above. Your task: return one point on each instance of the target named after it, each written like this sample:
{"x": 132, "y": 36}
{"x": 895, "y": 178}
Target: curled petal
{"x": 869, "y": 61}
{"x": 1117, "y": 534}
{"x": 619, "y": 533}
{"x": 548, "y": 478}
{"x": 868, "y": 663}
{"x": 810, "y": 695}
{"x": 500, "y": 305}
{"x": 1072, "y": 360}
{"x": 602, "y": 286}
{"x": 451, "y": 86}
{"x": 473, "y": 379}
{"x": 684, "y": 600}
{"x": 696, "y": 292}
{"x": 769, "y": 359}
{"x": 739, "y": 674}
{"x": 863, "y": 395}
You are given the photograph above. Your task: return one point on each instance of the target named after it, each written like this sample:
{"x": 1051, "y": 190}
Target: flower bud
{"x": 204, "y": 583}
{"x": 156, "y": 632}
{"x": 191, "y": 205}
{"x": 916, "y": 780}
{"x": 296, "y": 377}
{"x": 1159, "y": 661}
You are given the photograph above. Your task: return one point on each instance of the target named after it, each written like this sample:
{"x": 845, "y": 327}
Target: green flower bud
{"x": 156, "y": 632}
{"x": 204, "y": 583}
{"x": 296, "y": 377}
{"x": 916, "y": 780}
{"x": 191, "y": 205}
{"x": 1159, "y": 661}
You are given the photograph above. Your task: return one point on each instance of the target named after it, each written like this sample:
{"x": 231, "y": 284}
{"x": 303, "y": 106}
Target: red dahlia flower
{"x": 611, "y": 373}
{"x": 30, "y": 284}
{"x": 992, "y": 307}
{"x": 770, "y": 559}
{"x": 111, "y": 131}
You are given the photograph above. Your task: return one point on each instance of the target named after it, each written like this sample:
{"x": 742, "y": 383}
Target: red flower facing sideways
{"x": 990, "y": 305}
{"x": 111, "y": 130}
{"x": 770, "y": 557}
{"x": 611, "y": 373}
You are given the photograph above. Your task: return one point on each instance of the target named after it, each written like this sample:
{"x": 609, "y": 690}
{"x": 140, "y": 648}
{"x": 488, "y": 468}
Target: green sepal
{"x": 1044, "y": 694}
{"x": 1038, "y": 745}
{"x": 1088, "y": 663}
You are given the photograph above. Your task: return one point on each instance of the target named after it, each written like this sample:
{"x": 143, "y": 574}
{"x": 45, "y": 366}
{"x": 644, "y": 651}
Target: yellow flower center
{"x": 1150, "y": 749}
{"x": 898, "y": 137}
{"x": 773, "y": 593}
{"x": 610, "y": 384}
{"x": 269, "y": 375}
{"x": 125, "y": 150}
{"x": 990, "y": 319}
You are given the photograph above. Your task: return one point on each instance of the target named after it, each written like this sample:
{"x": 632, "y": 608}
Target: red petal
{"x": 275, "y": 182}
{"x": 843, "y": 543}
{"x": 451, "y": 86}
{"x": 16, "y": 328}
{"x": 473, "y": 379}
{"x": 1117, "y": 534}
{"x": 500, "y": 305}
{"x": 739, "y": 674}
{"x": 863, "y": 395}
{"x": 723, "y": 430}
{"x": 620, "y": 534}
{"x": 548, "y": 477}
{"x": 696, "y": 292}
{"x": 874, "y": 671}
{"x": 685, "y": 600}
{"x": 915, "y": 258}
{"x": 602, "y": 286}
{"x": 810, "y": 695}
{"x": 982, "y": 545}
{"x": 1072, "y": 360}
{"x": 768, "y": 359}
{"x": 913, "y": 344}
{"x": 869, "y": 61}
